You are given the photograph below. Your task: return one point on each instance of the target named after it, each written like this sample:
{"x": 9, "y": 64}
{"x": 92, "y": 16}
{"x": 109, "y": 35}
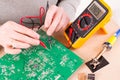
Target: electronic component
{"x": 91, "y": 77}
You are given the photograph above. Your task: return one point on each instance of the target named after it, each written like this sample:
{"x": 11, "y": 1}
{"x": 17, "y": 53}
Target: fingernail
{"x": 28, "y": 46}
{"x": 37, "y": 42}
{"x": 46, "y": 27}
{"x": 49, "y": 33}
{"x": 37, "y": 36}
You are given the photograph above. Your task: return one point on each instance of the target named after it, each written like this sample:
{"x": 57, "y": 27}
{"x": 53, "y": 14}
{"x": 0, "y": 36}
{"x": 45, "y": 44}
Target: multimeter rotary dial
{"x": 85, "y": 21}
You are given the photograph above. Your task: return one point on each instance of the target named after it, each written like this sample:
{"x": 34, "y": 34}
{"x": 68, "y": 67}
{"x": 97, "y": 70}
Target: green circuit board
{"x": 37, "y": 63}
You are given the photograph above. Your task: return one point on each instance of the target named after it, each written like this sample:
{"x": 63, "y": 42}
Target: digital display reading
{"x": 96, "y": 10}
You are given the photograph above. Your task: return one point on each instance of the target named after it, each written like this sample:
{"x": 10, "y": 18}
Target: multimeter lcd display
{"x": 96, "y": 10}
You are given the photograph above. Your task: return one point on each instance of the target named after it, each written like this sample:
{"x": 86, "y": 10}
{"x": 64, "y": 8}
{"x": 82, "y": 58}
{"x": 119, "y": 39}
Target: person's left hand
{"x": 56, "y": 19}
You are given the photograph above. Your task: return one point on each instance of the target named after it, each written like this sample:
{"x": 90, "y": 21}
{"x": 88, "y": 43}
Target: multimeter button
{"x": 85, "y": 21}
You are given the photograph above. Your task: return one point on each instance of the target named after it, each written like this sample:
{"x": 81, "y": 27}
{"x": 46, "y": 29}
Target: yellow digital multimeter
{"x": 94, "y": 17}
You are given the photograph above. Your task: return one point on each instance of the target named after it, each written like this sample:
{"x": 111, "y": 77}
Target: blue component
{"x": 117, "y": 34}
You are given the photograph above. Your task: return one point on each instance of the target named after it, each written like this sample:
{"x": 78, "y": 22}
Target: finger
{"x": 24, "y": 38}
{"x": 55, "y": 22}
{"x": 49, "y": 16}
{"x": 63, "y": 23}
{"x": 18, "y": 44}
{"x": 24, "y": 30}
{"x": 10, "y": 50}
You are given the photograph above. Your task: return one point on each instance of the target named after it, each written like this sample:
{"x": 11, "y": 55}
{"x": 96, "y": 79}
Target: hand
{"x": 56, "y": 19}
{"x": 13, "y": 37}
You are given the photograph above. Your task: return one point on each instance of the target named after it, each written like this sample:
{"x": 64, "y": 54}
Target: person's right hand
{"x": 14, "y": 37}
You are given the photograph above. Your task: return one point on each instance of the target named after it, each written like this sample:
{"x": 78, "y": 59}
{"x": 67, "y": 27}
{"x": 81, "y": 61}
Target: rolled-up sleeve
{"x": 70, "y": 6}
